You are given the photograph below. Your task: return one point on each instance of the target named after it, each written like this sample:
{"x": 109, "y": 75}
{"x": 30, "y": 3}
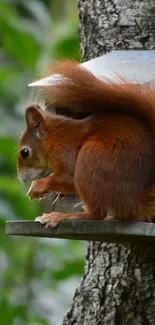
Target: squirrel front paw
{"x": 38, "y": 190}
{"x": 50, "y": 219}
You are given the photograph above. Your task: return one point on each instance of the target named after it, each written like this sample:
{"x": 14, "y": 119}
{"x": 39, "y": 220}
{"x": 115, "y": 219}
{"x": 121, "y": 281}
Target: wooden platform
{"x": 103, "y": 231}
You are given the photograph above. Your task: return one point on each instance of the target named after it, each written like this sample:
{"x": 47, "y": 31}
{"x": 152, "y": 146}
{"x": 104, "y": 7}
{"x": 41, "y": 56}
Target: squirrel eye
{"x": 25, "y": 153}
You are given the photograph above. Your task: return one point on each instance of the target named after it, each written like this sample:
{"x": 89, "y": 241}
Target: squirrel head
{"x": 32, "y": 161}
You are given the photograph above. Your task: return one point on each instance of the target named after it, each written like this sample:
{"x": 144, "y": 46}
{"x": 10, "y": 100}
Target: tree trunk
{"x": 118, "y": 287}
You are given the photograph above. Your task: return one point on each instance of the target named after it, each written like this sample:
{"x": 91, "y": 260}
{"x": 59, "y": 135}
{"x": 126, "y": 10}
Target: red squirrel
{"x": 107, "y": 157}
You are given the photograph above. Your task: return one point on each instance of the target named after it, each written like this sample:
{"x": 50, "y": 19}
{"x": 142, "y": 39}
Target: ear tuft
{"x": 34, "y": 116}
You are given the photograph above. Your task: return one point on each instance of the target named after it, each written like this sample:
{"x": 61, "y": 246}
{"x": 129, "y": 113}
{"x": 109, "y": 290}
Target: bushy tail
{"x": 80, "y": 91}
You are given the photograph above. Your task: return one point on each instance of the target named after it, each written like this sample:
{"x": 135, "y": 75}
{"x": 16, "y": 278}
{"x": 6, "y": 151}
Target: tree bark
{"x": 118, "y": 286}
{"x": 106, "y": 25}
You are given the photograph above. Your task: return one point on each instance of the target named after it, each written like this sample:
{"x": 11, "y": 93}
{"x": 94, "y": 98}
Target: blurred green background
{"x": 37, "y": 276}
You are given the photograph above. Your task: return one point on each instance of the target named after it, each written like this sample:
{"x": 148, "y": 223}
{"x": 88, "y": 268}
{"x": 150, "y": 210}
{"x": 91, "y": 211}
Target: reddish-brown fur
{"x": 108, "y": 157}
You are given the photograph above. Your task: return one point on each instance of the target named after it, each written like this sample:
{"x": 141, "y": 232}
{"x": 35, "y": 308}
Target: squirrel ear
{"x": 34, "y": 116}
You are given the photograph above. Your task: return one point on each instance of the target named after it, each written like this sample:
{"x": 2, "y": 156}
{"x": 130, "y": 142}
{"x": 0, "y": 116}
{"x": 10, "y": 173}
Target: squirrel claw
{"x": 38, "y": 219}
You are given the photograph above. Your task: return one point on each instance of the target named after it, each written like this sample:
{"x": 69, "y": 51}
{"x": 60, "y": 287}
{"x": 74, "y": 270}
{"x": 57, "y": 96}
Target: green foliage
{"x": 37, "y": 276}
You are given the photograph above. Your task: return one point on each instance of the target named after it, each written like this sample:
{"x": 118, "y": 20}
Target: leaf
{"x": 20, "y": 47}
{"x": 13, "y": 191}
{"x": 39, "y": 11}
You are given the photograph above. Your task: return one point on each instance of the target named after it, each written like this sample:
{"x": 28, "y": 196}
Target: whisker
{"x": 49, "y": 196}
{"x": 56, "y": 198}
{"x": 77, "y": 204}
